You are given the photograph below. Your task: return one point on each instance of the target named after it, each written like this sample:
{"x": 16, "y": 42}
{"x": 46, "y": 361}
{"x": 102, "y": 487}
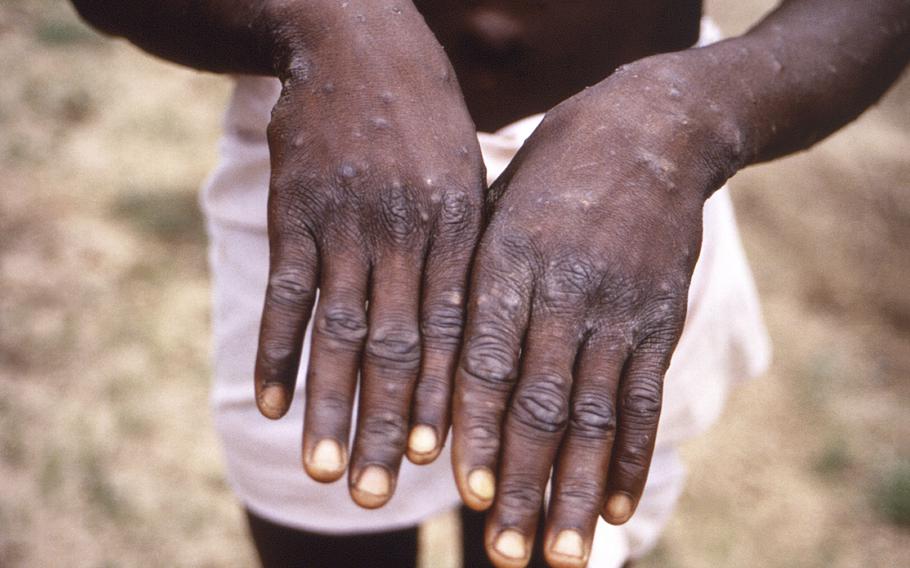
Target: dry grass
{"x": 107, "y": 456}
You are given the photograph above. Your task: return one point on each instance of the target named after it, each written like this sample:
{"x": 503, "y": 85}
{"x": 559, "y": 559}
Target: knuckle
{"x": 343, "y": 324}
{"x": 397, "y": 347}
{"x": 642, "y": 402}
{"x": 444, "y": 320}
{"x": 390, "y": 427}
{"x": 501, "y": 301}
{"x": 457, "y": 211}
{"x": 659, "y": 340}
{"x": 593, "y": 415}
{"x": 329, "y": 406}
{"x": 542, "y": 405}
{"x": 489, "y": 361}
{"x": 619, "y": 293}
{"x": 399, "y": 214}
{"x": 580, "y": 494}
{"x": 633, "y": 461}
{"x": 519, "y": 496}
{"x": 512, "y": 246}
{"x": 277, "y": 354}
{"x": 572, "y": 277}
{"x": 288, "y": 288}
{"x": 483, "y": 434}
{"x": 433, "y": 391}
{"x": 299, "y": 204}
{"x": 665, "y": 314}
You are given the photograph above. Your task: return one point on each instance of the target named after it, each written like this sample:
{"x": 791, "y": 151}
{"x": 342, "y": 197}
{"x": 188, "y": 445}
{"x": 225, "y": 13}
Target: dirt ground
{"x": 107, "y": 455}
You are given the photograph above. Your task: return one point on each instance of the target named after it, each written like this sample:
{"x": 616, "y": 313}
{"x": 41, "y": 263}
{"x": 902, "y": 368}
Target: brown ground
{"x": 107, "y": 456}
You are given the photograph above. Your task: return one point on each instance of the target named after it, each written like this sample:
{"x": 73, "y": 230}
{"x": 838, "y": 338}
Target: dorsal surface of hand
{"x": 375, "y": 197}
{"x": 578, "y": 298}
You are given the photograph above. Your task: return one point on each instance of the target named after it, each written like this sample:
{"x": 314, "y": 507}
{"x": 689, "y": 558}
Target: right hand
{"x": 376, "y": 188}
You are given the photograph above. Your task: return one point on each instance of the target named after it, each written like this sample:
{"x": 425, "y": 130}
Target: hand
{"x": 375, "y": 196}
{"x": 578, "y": 298}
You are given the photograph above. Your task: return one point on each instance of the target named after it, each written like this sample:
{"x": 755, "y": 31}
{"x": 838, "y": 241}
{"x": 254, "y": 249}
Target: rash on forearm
{"x": 809, "y": 68}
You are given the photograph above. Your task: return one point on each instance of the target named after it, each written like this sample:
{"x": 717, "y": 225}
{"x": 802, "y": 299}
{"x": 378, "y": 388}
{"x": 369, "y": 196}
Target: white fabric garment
{"x": 724, "y": 340}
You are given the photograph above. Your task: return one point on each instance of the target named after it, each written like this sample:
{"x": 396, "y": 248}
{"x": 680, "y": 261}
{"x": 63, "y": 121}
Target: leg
{"x": 284, "y": 547}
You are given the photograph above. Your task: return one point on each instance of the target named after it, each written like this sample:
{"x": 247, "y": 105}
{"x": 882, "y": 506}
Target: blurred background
{"x": 107, "y": 454}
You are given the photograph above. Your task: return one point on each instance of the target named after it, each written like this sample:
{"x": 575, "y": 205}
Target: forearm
{"x": 806, "y": 70}
{"x": 264, "y": 37}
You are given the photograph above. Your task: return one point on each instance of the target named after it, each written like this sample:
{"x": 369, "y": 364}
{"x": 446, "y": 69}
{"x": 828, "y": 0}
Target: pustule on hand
{"x": 675, "y": 111}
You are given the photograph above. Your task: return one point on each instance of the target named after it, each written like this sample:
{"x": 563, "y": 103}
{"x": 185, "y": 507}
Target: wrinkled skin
{"x": 375, "y": 200}
{"x": 578, "y": 299}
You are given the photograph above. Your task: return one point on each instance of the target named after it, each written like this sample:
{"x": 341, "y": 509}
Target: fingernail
{"x": 619, "y": 507}
{"x": 273, "y": 401}
{"x": 374, "y": 480}
{"x": 511, "y": 544}
{"x": 482, "y": 484}
{"x": 327, "y": 458}
{"x": 422, "y": 440}
{"x": 569, "y": 543}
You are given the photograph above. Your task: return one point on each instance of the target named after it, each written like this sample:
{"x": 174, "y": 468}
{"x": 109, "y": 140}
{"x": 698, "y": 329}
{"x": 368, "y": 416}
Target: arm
{"x": 580, "y": 282}
{"x": 374, "y": 198}
{"x": 215, "y": 35}
{"x": 810, "y": 67}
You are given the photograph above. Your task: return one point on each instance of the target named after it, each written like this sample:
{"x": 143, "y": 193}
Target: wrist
{"x": 672, "y": 111}
{"x": 290, "y": 29}
{"x": 746, "y": 82}
{"x": 712, "y": 94}
{"x": 303, "y": 33}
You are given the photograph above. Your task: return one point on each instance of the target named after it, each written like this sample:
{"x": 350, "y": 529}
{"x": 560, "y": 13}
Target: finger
{"x": 638, "y": 412}
{"x": 442, "y": 317}
{"x": 584, "y": 457}
{"x": 537, "y": 418}
{"x": 338, "y": 335}
{"x": 390, "y": 364}
{"x": 289, "y": 297}
{"x": 497, "y": 318}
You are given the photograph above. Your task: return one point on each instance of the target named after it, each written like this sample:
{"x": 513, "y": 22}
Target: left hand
{"x": 578, "y": 299}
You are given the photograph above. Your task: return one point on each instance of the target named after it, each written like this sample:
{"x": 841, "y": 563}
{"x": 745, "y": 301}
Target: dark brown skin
{"x": 515, "y": 58}
{"x": 580, "y": 279}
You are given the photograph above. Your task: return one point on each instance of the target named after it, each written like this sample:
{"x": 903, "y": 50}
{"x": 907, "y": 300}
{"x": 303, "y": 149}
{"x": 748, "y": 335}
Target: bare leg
{"x": 284, "y": 547}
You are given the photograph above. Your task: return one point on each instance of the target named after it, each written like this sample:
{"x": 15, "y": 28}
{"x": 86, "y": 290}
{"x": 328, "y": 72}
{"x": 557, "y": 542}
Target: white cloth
{"x": 724, "y": 340}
